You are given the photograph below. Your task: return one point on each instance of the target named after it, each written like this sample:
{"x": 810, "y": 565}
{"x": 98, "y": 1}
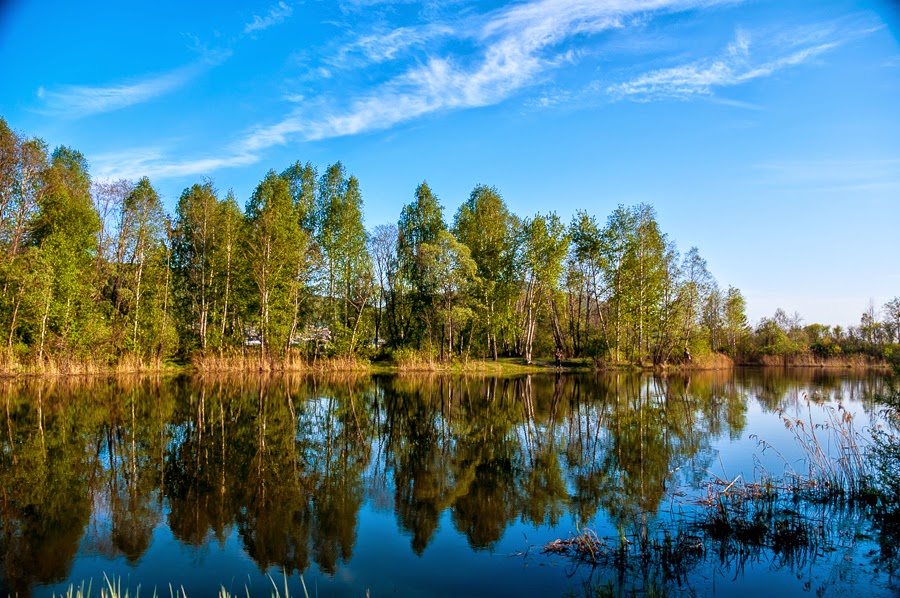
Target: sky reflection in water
{"x": 399, "y": 485}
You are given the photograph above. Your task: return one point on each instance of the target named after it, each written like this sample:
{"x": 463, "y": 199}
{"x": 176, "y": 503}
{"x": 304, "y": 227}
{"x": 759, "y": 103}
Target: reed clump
{"x": 257, "y": 361}
{"x": 811, "y": 360}
{"x": 64, "y": 366}
{"x": 833, "y": 451}
{"x": 74, "y": 365}
{"x": 408, "y": 360}
{"x": 656, "y": 559}
{"x": 112, "y": 588}
{"x": 846, "y": 482}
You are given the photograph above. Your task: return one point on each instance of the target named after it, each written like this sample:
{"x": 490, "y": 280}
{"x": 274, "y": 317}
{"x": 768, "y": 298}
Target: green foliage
{"x": 484, "y": 224}
{"x": 274, "y": 244}
{"x": 101, "y": 272}
{"x": 544, "y": 243}
{"x": 421, "y": 221}
{"x": 344, "y": 243}
{"x": 448, "y": 273}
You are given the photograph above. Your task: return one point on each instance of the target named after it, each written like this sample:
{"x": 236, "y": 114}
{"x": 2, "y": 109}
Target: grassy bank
{"x": 250, "y": 361}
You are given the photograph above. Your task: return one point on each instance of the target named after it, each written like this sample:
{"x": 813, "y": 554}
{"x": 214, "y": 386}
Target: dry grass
{"x": 832, "y": 450}
{"x": 709, "y": 361}
{"x": 65, "y": 366}
{"x": 664, "y": 556}
{"x": 255, "y": 361}
{"x": 416, "y": 361}
{"x": 79, "y": 366}
{"x": 855, "y": 361}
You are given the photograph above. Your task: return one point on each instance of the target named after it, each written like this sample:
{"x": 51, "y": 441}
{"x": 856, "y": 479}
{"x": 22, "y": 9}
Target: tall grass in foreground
{"x": 113, "y": 589}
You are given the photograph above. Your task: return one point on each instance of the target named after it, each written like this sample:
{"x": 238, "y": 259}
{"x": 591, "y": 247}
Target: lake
{"x": 407, "y": 485}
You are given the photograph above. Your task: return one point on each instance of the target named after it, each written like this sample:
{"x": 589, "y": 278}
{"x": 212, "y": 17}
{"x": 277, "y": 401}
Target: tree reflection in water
{"x": 287, "y": 463}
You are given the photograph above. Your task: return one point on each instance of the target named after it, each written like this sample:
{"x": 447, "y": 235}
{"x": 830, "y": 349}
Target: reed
{"x": 408, "y": 360}
{"x": 811, "y": 360}
{"x": 255, "y": 361}
{"x": 113, "y": 588}
{"x": 833, "y": 451}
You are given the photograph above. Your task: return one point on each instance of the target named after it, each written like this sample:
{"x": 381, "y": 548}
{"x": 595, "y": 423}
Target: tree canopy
{"x": 98, "y": 271}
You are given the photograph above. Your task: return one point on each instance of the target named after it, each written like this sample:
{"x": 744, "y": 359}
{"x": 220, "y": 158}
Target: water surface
{"x": 403, "y": 485}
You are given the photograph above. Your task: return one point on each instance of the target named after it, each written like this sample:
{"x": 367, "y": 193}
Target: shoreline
{"x": 506, "y": 366}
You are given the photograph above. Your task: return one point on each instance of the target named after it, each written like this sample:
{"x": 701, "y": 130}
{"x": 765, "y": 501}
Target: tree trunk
{"x": 137, "y": 301}
{"x": 44, "y": 323}
{"x": 12, "y": 326}
{"x": 162, "y": 333}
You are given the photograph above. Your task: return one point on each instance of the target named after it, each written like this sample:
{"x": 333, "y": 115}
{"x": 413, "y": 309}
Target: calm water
{"x": 401, "y": 485}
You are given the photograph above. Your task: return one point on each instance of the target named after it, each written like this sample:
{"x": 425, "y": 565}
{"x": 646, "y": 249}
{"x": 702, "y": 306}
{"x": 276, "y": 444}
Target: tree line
{"x": 97, "y": 270}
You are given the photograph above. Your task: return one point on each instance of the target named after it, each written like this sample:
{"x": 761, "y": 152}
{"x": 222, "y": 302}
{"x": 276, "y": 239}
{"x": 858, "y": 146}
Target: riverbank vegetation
{"x": 807, "y": 521}
{"x": 95, "y": 275}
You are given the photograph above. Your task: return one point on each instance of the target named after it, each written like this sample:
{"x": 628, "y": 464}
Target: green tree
{"x": 343, "y": 239}
{"x": 713, "y": 312}
{"x": 735, "y": 319}
{"x": 64, "y": 231}
{"x": 230, "y": 274}
{"x": 544, "y": 245}
{"x": 484, "y": 224}
{"x": 195, "y": 240}
{"x": 616, "y": 237}
{"x": 23, "y": 163}
{"x": 146, "y": 229}
{"x": 645, "y": 274}
{"x": 448, "y": 273}
{"x": 273, "y": 249}
{"x": 585, "y": 283}
{"x": 304, "y": 186}
{"x": 421, "y": 221}
{"x": 696, "y": 286}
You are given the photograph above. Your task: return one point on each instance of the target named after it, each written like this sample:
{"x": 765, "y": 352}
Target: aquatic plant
{"x": 842, "y": 491}
{"x": 113, "y": 589}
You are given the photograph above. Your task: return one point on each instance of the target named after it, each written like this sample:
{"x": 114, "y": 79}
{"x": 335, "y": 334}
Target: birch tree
{"x": 484, "y": 224}
{"x": 195, "y": 231}
{"x": 272, "y": 249}
{"x": 544, "y": 245}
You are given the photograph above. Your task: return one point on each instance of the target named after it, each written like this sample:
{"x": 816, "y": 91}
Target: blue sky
{"x": 766, "y": 133}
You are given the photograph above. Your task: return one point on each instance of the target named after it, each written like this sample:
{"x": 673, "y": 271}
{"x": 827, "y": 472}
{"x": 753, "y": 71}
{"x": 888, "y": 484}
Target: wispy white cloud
{"x": 560, "y": 97}
{"x": 376, "y": 48}
{"x": 75, "y": 101}
{"x": 158, "y": 163}
{"x": 743, "y": 60}
{"x": 82, "y": 100}
{"x": 700, "y": 78}
{"x": 276, "y": 15}
{"x": 514, "y": 47}
{"x": 838, "y": 175}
